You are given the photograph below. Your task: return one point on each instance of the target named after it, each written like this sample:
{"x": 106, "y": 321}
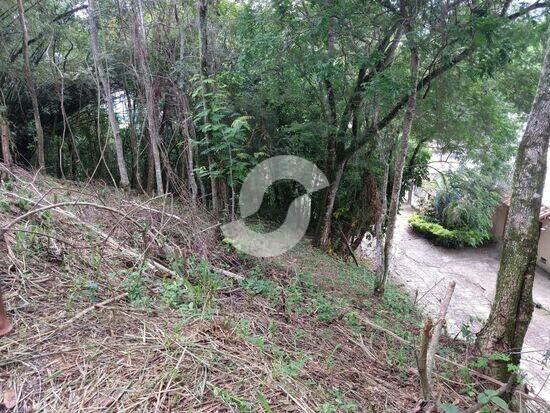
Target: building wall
{"x": 543, "y": 259}
{"x": 499, "y": 221}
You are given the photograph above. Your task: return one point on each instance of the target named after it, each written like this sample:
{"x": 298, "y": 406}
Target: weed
{"x": 5, "y": 206}
{"x": 23, "y": 204}
{"x": 400, "y": 358}
{"x": 352, "y": 320}
{"x": 338, "y": 404}
{"x": 285, "y": 365}
{"x": 324, "y": 309}
{"x": 242, "y": 405}
{"x": 265, "y": 288}
{"x": 137, "y": 289}
{"x": 85, "y": 288}
{"x": 180, "y": 293}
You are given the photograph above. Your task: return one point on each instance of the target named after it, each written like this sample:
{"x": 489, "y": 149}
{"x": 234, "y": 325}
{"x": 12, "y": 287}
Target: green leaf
{"x": 264, "y": 403}
{"x": 499, "y": 402}
{"x": 483, "y": 398}
{"x": 449, "y": 408}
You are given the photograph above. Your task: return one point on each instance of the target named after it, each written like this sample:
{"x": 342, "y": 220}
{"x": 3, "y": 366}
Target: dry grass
{"x": 87, "y": 339}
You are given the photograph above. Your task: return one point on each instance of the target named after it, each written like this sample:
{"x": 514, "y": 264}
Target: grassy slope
{"x": 289, "y": 338}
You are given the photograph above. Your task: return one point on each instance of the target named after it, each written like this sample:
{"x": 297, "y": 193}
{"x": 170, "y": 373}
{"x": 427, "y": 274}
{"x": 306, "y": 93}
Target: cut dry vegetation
{"x": 164, "y": 324}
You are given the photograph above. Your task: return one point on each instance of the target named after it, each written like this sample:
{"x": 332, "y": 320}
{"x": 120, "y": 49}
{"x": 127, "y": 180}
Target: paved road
{"x": 421, "y": 266}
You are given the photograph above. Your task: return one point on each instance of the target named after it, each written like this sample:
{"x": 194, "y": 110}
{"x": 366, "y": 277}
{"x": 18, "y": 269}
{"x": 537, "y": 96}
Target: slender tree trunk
{"x": 136, "y": 144}
{"x": 513, "y": 305}
{"x": 202, "y": 6}
{"x": 105, "y": 85}
{"x": 145, "y": 77}
{"x": 187, "y": 125}
{"x": 379, "y": 227}
{"x": 325, "y": 211}
{"x": 187, "y": 129}
{"x": 324, "y": 236}
{"x": 31, "y": 87}
{"x": 5, "y": 133}
{"x": 401, "y": 153}
{"x": 5, "y": 325}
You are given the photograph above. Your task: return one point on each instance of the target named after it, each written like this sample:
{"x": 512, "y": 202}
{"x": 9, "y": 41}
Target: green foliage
{"x": 448, "y": 238}
{"x": 338, "y": 403}
{"x": 265, "y": 288}
{"x": 137, "y": 289}
{"x": 193, "y": 290}
{"x": 466, "y": 200}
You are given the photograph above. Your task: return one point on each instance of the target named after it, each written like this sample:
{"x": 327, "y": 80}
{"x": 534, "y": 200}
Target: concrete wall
{"x": 543, "y": 259}
{"x": 499, "y": 221}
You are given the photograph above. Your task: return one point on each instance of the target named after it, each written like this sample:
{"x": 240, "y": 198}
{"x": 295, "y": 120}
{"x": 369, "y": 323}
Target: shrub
{"x": 450, "y": 238}
{"x": 466, "y": 200}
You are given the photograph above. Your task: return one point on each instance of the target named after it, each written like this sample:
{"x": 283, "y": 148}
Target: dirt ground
{"x": 426, "y": 270}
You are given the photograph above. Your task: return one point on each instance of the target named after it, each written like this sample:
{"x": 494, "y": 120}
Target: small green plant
{"x": 285, "y": 365}
{"x": 23, "y": 204}
{"x": 4, "y": 206}
{"x": 258, "y": 286}
{"x": 352, "y": 320}
{"x": 324, "y": 309}
{"x": 236, "y": 402}
{"x": 467, "y": 328}
{"x": 137, "y": 289}
{"x": 338, "y": 403}
{"x": 491, "y": 397}
{"x": 192, "y": 289}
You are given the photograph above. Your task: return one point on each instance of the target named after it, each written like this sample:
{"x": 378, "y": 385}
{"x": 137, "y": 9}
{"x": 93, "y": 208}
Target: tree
{"x": 5, "y": 136}
{"x": 31, "y": 87}
{"x": 5, "y": 325}
{"x": 403, "y": 146}
{"x": 93, "y": 17}
{"x": 140, "y": 49}
{"x": 202, "y": 6}
{"x": 512, "y": 307}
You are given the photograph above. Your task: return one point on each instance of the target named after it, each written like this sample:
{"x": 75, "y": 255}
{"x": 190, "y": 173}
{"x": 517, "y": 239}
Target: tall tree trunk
{"x": 105, "y": 85}
{"x": 325, "y": 210}
{"x": 513, "y": 305}
{"x": 187, "y": 129}
{"x": 324, "y": 235}
{"x": 187, "y": 126}
{"x": 136, "y": 144}
{"x": 202, "y": 6}
{"x": 402, "y": 150}
{"x": 145, "y": 77}
{"x": 31, "y": 87}
{"x": 379, "y": 227}
{"x": 5, "y": 133}
{"x": 150, "y": 185}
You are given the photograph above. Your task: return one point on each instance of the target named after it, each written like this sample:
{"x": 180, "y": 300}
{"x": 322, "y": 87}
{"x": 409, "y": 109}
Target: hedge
{"x": 444, "y": 237}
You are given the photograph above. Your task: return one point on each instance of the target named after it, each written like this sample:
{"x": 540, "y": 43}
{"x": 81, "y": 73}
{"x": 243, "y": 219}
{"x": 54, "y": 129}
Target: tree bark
{"x": 106, "y": 89}
{"x": 31, "y": 87}
{"x": 324, "y": 236}
{"x": 140, "y": 49}
{"x": 5, "y": 132}
{"x": 5, "y": 325}
{"x": 136, "y": 144}
{"x": 402, "y": 150}
{"x": 202, "y": 6}
{"x": 513, "y": 304}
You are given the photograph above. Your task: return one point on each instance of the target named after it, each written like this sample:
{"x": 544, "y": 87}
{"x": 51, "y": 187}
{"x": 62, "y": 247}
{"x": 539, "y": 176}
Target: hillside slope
{"x": 128, "y": 304}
